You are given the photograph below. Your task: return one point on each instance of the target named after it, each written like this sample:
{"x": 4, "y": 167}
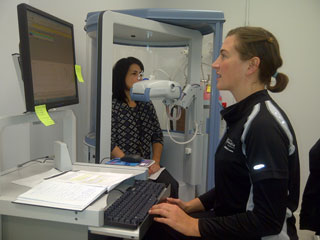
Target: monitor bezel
{"x": 25, "y": 58}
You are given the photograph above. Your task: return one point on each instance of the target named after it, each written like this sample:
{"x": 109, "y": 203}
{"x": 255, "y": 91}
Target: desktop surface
{"x": 33, "y": 217}
{"x": 91, "y": 216}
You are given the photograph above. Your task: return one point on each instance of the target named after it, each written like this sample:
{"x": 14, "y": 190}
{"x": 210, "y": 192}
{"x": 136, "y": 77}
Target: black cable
{"x": 34, "y": 160}
{"x": 104, "y": 159}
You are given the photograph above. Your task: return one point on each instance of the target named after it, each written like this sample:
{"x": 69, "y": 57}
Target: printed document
{"x": 71, "y": 190}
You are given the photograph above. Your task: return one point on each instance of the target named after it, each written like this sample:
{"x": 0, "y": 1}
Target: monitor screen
{"x": 47, "y": 59}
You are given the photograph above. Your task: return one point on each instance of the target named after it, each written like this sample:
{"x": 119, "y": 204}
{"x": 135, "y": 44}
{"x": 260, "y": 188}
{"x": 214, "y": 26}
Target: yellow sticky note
{"x": 208, "y": 88}
{"x": 43, "y": 115}
{"x": 78, "y": 73}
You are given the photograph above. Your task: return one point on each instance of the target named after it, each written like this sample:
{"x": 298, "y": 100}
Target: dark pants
{"x": 165, "y": 177}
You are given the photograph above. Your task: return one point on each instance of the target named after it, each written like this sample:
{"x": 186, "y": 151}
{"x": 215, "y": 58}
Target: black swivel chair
{"x": 310, "y": 208}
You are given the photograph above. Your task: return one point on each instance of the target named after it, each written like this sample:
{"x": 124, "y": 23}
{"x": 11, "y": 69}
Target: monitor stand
{"x": 16, "y": 63}
{"x": 62, "y": 159}
{"x": 69, "y": 129}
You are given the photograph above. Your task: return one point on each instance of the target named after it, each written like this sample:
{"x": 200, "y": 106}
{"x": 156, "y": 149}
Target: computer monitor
{"x": 47, "y": 59}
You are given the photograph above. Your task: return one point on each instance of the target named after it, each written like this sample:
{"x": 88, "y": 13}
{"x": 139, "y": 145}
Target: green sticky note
{"x": 78, "y": 73}
{"x": 43, "y": 115}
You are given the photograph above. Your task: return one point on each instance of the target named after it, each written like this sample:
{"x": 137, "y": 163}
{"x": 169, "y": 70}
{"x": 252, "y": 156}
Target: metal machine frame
{"x": 169, "y": 28}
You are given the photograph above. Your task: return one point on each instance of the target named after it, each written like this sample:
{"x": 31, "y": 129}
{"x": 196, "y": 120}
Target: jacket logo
{"x": 229, "y": 145}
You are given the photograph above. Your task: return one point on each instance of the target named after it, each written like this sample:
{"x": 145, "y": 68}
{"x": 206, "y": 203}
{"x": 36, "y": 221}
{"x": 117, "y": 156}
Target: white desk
{"x": 23, "y": 222}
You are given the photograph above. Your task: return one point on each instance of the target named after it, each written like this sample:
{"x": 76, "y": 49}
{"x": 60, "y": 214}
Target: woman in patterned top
{"x": 135, "y": 127}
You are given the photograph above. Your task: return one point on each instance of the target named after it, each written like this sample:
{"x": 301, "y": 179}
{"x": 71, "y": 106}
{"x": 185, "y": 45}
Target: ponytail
{"x": 281, "y": 83}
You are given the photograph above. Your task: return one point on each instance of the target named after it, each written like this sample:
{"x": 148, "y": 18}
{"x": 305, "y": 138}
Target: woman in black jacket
{"x": 256, "y": 164}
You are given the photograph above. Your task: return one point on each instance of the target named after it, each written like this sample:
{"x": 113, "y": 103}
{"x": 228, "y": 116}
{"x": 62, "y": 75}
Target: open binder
{"x": 71, "y": 190}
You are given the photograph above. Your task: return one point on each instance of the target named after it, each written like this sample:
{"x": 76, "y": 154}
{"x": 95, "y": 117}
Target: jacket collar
{"x": 238, "y": 110}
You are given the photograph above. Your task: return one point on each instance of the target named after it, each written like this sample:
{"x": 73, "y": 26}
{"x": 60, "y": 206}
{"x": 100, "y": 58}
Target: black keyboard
{"x": 131, "y": 209}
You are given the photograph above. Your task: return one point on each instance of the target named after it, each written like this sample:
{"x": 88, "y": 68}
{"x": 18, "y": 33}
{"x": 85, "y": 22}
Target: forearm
{"x": 207, "y": 199}
{"x": 156, "y": 152}
{"x": 194, "y": 205}
{"x": 117, "y": 152}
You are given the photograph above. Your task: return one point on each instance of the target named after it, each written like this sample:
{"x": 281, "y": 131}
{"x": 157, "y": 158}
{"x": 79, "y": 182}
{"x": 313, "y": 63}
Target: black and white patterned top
{"x": 135, "y": 129}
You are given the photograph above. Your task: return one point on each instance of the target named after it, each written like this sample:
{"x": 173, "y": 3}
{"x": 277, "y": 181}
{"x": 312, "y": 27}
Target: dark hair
{"x": 119, "y": 72}
{"x": 258, "y": 42}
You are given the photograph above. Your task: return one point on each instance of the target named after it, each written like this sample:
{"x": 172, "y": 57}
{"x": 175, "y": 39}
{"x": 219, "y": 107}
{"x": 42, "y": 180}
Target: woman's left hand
{"x": 175, "y": 217}
{"x": 154, "y": 168}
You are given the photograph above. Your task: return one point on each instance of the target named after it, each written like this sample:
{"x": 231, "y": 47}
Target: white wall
{"x": 294, "y": 22}
{"x": 11, "y": 101}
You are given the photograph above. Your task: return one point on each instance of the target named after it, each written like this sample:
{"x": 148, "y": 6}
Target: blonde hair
{"x": 258, "y": 42}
